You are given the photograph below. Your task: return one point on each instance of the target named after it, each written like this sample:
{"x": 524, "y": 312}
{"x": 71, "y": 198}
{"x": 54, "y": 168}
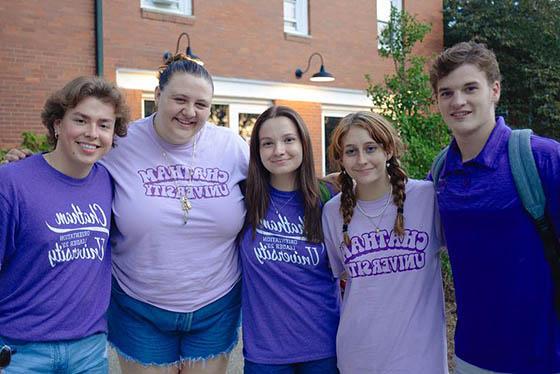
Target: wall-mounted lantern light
{"x": 321, "y": 76}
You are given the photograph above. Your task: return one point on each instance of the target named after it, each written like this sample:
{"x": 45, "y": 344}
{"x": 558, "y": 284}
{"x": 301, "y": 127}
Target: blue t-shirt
{"x": 55, "y": 263}
{"x": 504, "y": 290}
{"x": 290, "y": 302}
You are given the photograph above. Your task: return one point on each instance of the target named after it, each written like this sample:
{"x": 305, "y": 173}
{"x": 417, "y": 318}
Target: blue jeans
{"x": 149, "y": 335}
{"x": 324, "y": 366}
{"x": 87, "y": 355}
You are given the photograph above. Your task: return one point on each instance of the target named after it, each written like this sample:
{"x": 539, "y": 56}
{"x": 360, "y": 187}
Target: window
{"x": 295, "y": 17}
{"x": 384, "y": 13}
{"x": 240, "y": 117}
{"x": 148, "y": 105}
{"x": 180, "y": 7}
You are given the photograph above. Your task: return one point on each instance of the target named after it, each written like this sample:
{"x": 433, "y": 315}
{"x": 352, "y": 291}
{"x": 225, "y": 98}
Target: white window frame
{"x": 178, "y": 7}
{"x": 301, "y": 19}
{"x": 382, "y": 5}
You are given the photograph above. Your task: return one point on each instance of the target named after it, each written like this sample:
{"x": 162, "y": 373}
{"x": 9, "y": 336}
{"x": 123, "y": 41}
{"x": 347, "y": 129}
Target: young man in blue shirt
{"x": 503, "y": 283}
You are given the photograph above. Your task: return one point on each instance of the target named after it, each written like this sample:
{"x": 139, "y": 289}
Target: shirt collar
{"x": 488, "y": 156}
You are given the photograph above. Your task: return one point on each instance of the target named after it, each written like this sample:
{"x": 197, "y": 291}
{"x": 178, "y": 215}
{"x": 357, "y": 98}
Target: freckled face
{"x": 183, "y": 107}
{"x": 467, "y": 100}
{"x": 280, "y": 150}
{"x": 364, "y": 159}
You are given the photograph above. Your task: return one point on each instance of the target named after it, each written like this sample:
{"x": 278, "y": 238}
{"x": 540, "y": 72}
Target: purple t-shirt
{"x": 55, "y": 263}
{"x": 392, "y": 317}
{"x": 158, "y": 259}
{"x": 503, "y": 285}
{"x": 290, "y": 302}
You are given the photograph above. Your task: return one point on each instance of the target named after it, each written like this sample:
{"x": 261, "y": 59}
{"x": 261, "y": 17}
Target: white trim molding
{"x": 145, "y": 80}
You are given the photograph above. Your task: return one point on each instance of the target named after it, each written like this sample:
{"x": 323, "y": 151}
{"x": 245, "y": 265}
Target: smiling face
{"x": 281, "y": 151}
{"x": 365, "y": 161}
{"x": 85, "y": 134}
{"x": 467, "y": 100}
{"x": 183, "y": 107}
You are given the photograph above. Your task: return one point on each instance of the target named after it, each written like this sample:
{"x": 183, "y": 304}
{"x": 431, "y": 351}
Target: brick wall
{"x": 43, "y": 44}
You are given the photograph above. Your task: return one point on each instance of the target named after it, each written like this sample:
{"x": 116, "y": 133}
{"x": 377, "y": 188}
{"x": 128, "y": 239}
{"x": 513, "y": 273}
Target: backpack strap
{"x": 525, "y": 173}
{"x": 529, "y": 188}
{"x": 437, "y": 165}
{"x": 324, "y": 192}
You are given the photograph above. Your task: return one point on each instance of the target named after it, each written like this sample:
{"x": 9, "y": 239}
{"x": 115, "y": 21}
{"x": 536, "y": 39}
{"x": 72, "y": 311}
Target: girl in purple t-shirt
{"x": 380, "y": 233}
{"x": 289, "y": 297}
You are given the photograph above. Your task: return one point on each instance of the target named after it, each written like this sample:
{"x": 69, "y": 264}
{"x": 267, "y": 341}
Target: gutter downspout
{"x": 99, "y": 37}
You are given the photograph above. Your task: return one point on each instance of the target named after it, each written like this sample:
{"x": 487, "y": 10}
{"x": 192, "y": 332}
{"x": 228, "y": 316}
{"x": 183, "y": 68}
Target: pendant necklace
{"x": 283, "y": 206}
{"x": 379, "y": 213}
{"x": 186, "y": 205}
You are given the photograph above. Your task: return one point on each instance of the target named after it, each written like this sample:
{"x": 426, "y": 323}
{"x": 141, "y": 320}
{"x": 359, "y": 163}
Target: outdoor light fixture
{"x": 321, "y": 76}
{"x": 188, "y": 51}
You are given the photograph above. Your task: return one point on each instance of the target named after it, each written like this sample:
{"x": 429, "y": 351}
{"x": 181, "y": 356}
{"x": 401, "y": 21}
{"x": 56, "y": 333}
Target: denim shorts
{"x": 86, "y": 355}
{"x": 324, "y": 366}
{"x": 149, "y": 335}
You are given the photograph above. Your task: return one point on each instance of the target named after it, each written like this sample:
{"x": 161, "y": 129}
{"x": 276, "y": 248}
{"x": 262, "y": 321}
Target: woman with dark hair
{"x": 290, "y": 298}
{"x": 176, "y": 298}
{"x": 55, "y": 214}
{"x": 380, "y": 233}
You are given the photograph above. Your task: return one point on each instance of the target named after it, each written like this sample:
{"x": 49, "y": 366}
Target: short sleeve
{"x": 330, "y": 235}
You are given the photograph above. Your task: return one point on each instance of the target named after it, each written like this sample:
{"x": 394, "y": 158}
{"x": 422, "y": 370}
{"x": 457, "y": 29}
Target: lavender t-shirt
{"x": 55, "y": 271}
{"x": 290, "y": 298}
{"x": 392, "y": 318}
{"x": 156, "y": 257}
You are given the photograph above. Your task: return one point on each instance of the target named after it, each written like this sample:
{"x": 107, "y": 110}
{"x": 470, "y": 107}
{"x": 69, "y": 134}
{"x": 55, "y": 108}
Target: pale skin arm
{"x": 16, "y": 154}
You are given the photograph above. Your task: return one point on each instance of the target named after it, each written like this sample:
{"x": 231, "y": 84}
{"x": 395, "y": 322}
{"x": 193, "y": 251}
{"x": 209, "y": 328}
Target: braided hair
{"x": 383, "y": 133}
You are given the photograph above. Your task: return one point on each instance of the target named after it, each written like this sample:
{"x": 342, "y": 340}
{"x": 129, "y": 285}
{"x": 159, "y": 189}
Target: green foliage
{"x": 525, "y": 36}
{"x": 405, "y": 98}
{"x": 34, "y": 142}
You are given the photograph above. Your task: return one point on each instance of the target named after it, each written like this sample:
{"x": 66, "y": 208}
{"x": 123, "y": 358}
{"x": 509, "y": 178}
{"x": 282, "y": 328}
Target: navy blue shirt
{"x": 504, "y": 290}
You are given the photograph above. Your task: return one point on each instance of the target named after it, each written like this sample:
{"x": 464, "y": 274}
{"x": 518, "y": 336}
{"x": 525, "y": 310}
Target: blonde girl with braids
{"x": 380, "y": 233}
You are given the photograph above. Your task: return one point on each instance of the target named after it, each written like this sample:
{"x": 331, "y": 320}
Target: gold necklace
{"x": 186, "y": 205}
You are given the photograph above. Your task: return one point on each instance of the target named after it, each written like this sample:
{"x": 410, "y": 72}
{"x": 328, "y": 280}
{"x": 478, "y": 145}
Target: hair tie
{"x": 400, "y": 210}
{"x": 345, "y": 227}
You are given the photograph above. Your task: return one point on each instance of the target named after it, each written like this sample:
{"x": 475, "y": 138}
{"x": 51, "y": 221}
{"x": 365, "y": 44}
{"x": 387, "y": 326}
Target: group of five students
{"x": 181, "y": 274}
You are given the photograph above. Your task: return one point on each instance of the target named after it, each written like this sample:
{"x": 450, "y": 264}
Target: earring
{"x": 387, "y": 164}
{"x": 55, "y": 134}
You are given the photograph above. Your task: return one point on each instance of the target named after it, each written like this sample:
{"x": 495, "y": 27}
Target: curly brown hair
{"x": 383, "y": 133}
{"x": 77, "y": 90}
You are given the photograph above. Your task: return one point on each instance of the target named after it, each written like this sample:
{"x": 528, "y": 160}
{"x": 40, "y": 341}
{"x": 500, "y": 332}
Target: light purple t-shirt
{"x": 55, "y": 262}
{"x": 392, "y": 317}
{"x": 156, "y": 257}
{"x": 290, "y": 302}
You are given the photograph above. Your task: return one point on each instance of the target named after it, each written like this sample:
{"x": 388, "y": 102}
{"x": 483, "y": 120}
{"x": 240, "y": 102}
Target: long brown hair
{"x": 383, "y": 133}
{"x": 258, "y": 178}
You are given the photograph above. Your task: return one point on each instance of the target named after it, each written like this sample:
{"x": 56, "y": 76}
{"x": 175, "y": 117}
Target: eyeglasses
{"x": 6, "y": 356}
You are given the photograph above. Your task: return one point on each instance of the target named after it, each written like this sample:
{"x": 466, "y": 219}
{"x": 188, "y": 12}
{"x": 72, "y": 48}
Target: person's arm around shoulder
{"x": 16, "y": 154}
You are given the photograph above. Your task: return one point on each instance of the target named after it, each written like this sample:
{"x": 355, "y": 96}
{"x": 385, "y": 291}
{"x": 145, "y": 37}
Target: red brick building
{"x": 251, "y": 47}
